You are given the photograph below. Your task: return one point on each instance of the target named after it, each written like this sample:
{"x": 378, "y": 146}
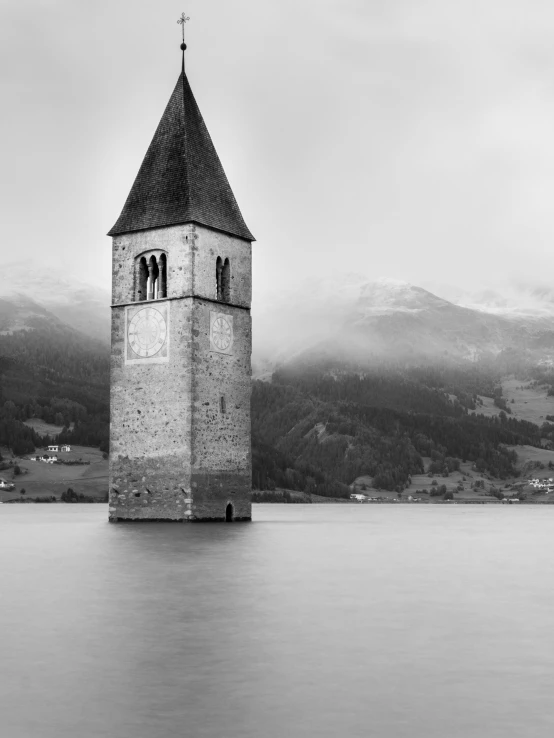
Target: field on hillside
{"x": 422, "y": 483}
{"x": 532, "y": 463}
{"x": 529, "y": 403}
{"x": 530, "y": 459}
{"x": 40, "y": 480}
{"x": 43, "y": 428}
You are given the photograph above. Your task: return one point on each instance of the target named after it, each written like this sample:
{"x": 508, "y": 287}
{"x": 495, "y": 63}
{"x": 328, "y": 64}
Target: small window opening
{"x": 223, "y": 279}
{"x": 162, "y": 291}
{"x": 222, "y": 405}
{"x": 229, "y": 513}
{"x": 218, "y": 278}
{"x": 153, "y": 279}
{"x": 226, "y": 281}
{"x": 142, "y": 279}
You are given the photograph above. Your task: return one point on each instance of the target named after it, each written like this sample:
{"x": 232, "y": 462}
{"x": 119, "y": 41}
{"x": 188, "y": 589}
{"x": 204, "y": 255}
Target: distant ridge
{"x": 79, "y": 305}
{"x": 345, "y": 315}
{"x": 391, "y": 319}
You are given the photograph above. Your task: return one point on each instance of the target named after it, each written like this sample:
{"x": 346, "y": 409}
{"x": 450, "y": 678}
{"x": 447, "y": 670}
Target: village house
{"x": 56, "y": 448}
{"x": 544, "y": 484}
{"x": 46, "y": 459}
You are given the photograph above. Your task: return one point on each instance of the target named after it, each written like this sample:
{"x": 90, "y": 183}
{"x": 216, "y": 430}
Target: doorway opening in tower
{"x": 229, "y": 513}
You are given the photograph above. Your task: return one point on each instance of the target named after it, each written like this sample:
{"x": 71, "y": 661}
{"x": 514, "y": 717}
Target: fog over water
{"x": 384, "y": 621}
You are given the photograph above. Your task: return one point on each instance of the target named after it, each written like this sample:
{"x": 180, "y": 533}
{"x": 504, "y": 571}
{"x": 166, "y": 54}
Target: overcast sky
{"x": 400, "y": 138}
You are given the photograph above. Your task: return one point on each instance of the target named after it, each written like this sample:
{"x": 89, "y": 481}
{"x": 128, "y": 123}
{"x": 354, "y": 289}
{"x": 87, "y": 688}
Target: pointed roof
{"x": 181, "y": 179}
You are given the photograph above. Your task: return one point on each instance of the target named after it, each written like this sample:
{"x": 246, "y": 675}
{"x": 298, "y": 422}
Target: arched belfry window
{"x": 223, "y": 279}
{"x": 142, "y": 279}
{"x": 162, "y": 289}
{"x": 151, "y": 277}
{"x": 153, "y": 274}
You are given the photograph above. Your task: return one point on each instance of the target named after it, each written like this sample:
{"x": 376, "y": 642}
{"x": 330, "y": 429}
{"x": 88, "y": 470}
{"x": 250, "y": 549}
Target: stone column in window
{"x": 151, "y": 278}
{"x": 218, "y": 278}
{"x": 162, "y": 279}
{"x": 142, "y": 280}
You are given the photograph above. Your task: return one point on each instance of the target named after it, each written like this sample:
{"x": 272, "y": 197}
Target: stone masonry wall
{"x": 176, "y": 241}
{"x": 221, "y": 451}
{"x": 192, "y": 252}
{"x": 221, "y": 459}
{"x": 173, "y": 454}
{"x": 150, "y": 428}
{"x": 208, "y": 245}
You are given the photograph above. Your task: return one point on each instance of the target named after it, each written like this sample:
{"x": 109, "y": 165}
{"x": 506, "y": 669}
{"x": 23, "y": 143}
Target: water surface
{"x": 384, "y": 621}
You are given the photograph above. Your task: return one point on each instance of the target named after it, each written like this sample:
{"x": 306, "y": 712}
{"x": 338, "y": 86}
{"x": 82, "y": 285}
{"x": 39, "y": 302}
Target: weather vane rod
{"x": 182, "y": 20}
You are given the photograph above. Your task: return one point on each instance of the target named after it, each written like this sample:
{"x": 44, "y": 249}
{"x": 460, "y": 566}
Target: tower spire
{"x": 181, "y": 179}
{"x": 182, "y": 20}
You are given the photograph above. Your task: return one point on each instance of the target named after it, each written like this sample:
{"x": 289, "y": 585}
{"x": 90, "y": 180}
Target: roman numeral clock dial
{"x": 221, "y": 333}
{"x": 147, "y": 334}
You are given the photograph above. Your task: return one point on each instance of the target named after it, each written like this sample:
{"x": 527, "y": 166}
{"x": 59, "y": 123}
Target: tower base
{"x": 143, "y": 490}
{"x": 115, "y": 519}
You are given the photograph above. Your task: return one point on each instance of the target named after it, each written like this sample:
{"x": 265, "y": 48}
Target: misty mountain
{"x": 391, "y": 320}
{"x": 20, "y": 313}
{"x": 51, "y": 371}
{"x": 324, "y": 419}
{"x": 401, "y": 321}
{"x": 347, "y": 314}
{"x": 524, "y": 300}
{"x": 367, "y": 378}
{"x": 77, "y": 304}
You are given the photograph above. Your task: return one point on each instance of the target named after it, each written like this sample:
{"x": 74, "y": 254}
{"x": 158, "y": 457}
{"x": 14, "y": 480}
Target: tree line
{"x": 379, "y": 423}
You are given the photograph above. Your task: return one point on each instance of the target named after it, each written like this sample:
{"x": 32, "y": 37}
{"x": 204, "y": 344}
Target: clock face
{"x": 147, "y": 332}
{"x": 221, "y": 333}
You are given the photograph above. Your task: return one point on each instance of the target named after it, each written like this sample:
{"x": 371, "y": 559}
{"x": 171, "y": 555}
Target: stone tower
{"x": 180, "y": 445}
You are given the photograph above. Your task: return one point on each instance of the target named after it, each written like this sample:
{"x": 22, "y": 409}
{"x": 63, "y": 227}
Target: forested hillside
{"x": 315, "y": 428}
{"x": 59, "y": 375}
{"x": 318, "y": 428}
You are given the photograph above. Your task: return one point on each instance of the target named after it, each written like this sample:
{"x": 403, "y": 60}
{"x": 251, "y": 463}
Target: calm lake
{"x": 316, "y": 620}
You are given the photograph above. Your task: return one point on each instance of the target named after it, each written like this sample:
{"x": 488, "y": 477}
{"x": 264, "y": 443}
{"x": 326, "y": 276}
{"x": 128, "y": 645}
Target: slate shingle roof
{"x": 181, "y": 179}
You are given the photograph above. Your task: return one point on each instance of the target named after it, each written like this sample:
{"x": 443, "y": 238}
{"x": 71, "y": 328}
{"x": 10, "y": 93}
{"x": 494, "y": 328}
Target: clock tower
{"x": 180, "y": 446}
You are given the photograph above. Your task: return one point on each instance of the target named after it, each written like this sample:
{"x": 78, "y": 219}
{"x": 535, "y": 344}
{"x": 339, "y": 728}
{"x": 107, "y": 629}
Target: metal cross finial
{"x": 182, "y": 20}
